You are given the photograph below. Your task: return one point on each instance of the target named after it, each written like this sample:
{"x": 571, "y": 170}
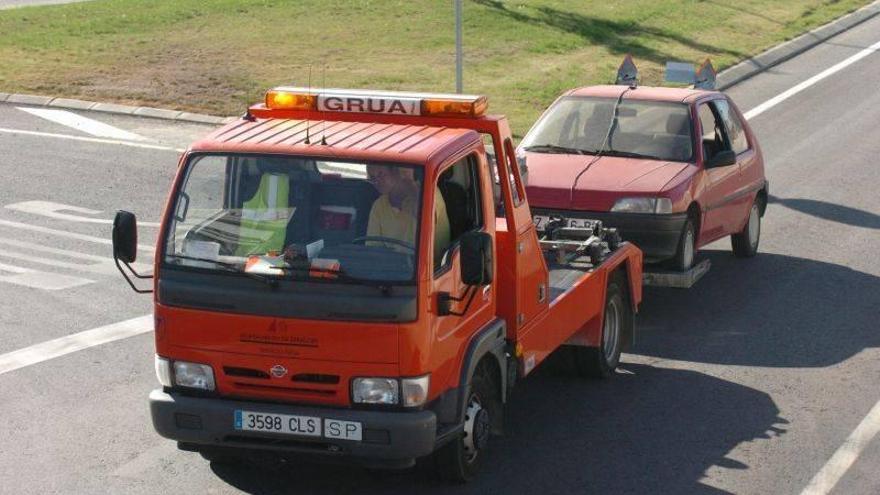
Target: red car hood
{"x": 608, "y": 179}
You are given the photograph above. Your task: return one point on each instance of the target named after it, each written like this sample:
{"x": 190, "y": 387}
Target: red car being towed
{"x": 673, "y": 169}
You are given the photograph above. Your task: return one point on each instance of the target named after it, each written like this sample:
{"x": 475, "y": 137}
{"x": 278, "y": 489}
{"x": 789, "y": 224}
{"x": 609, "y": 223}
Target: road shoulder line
{"x": 758, "y": 64}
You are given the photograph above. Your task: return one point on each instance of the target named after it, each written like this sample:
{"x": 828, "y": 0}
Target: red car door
{"x": 718, "y": 200}
{"x": 751, "y": 175}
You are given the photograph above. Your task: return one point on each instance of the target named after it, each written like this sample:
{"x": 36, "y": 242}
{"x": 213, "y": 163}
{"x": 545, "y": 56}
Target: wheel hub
{"x": 611, "y": 331}
{"x": 754, "y": 225}
{"x": 476, "y": 429}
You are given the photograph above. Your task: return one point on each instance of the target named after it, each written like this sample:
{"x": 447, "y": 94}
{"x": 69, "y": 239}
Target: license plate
{"x": 278, "y": 423}
{"x": 342, "y": 430}
{"x": 541, "y": 222}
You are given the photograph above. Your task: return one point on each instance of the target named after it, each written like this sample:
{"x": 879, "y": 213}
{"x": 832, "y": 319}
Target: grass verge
{"x": 217, "y": 56}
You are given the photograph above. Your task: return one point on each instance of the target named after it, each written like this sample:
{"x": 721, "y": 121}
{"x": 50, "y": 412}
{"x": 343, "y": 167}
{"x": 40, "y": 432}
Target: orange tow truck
{"x": 345, "y": 274}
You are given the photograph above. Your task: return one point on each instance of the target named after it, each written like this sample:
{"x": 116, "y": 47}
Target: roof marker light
{"x": 377, "y": 102}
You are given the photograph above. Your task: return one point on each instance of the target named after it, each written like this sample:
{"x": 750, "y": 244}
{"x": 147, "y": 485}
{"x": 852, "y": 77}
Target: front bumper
{"x": 392, "y": 438}
{"x": 656, "y": 235}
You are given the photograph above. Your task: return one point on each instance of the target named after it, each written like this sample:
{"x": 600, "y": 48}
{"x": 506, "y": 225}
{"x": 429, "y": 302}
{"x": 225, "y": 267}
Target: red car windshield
{"x": 644, "y": 129}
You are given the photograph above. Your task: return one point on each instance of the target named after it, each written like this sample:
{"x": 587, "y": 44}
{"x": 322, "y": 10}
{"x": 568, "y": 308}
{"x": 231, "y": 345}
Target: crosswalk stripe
{"x": 44, "y": 351}
{"x": 80, "y": 123}
{"x": 64, "y": 233}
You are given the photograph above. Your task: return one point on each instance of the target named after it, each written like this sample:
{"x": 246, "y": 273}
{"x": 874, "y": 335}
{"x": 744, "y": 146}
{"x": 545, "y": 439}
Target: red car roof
{"x": 641, "y": 93}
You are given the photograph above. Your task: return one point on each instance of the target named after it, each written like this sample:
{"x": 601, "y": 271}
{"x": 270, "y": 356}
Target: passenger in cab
{"x": 394, "y": 213}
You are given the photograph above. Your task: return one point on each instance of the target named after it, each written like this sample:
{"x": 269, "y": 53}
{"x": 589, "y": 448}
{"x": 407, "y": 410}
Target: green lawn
{"x": 216, "y": 56}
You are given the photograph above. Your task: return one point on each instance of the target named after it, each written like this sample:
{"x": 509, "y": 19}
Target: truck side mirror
{"x": 125, "y": 240}
{"x": 722, "y": 159}
{"x": 476, "y": 258}
{"x": 125, "y": 236}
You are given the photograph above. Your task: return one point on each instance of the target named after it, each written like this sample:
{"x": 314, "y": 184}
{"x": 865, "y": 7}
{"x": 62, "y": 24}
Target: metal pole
{"x": 458, "y": 54}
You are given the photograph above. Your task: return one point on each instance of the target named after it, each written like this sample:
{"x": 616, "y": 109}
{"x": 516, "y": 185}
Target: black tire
{"x": 460, "y": 460}
{"x": 745, "y": 243}
{"x": 600, "y": 362}
{"x": 686, "y": 250}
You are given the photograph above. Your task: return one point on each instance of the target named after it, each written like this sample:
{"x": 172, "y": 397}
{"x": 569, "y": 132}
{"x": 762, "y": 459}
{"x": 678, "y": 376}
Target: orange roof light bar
{"x": 381, "y": 102}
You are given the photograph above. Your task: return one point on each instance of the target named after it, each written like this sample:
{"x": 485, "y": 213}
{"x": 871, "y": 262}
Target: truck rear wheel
{"x": 460, "y": 460}
{"x": 600, "y": 362}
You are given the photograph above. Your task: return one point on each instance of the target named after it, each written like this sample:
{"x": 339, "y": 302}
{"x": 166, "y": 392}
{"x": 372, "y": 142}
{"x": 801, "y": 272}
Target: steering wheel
{"x": 378, "y": 238}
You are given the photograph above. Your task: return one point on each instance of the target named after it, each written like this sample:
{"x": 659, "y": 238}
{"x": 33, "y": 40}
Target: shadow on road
{"x": 771, "y": 310}
{"x": 646, "y": 430}
{"x": 831, "y": 212}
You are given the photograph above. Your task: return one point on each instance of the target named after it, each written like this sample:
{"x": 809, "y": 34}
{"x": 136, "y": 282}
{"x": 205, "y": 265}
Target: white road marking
{"x": 80, "y": 123}
{"x": 91, "y": 140}
{"x": 103, "y": 268}
{"x": 65, "y": 345}
{"x": 772, "y": 102}
{"x": 96, "y": 264}
{"x": 53, "y": 210}
{"x": 71, "y": 235}
{"x": 846, "y": 455}
{"x": 40, "y": 280}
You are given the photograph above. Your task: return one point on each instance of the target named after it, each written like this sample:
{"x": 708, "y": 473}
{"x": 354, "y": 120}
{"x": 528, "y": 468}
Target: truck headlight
{"x": 415, "y": 390}
{"x": 193, "y": 375}
{"x": 163, "y": 371}
{"x": 375, "y": 391}
{"x": 642, "y": 205}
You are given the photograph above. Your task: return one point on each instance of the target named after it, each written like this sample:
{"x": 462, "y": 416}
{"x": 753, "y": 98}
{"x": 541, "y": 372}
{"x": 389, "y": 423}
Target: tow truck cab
{"x": 287, "y": 319}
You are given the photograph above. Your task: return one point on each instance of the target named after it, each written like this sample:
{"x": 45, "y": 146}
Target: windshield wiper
{"x": 232, "y": 268}
{"x": 553, "y": 148}
{"x": 629, "y": 154}
{"x": 337, "y": 274}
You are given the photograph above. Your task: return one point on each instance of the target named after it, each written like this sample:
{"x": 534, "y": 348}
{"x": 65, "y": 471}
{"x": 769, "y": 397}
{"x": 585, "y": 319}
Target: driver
{"x": 394, "y": 212}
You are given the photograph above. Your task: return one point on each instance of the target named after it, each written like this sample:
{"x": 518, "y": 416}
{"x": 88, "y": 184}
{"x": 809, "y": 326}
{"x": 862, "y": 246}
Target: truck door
{"x": 717, "y": 199}
{"x": 460, "y": 208}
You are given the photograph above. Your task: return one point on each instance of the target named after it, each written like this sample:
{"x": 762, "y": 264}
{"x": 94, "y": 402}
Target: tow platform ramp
{"x": 680, "y": 280}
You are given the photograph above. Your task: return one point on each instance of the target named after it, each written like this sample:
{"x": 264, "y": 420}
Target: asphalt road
{"x": 747, "y": 383}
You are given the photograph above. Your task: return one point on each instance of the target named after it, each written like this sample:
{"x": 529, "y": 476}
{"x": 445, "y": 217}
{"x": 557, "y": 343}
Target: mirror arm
{"x": 446, "y": 297}
{"x": 127, "y": 279}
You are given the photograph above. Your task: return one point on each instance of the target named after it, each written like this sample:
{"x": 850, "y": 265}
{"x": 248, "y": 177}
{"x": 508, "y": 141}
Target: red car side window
{"x": 733, "y": 126}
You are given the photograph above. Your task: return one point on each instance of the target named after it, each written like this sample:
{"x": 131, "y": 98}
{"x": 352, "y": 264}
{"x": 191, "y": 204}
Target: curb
{"x": 780, "y": 53}
{"x": 726, "y": 78}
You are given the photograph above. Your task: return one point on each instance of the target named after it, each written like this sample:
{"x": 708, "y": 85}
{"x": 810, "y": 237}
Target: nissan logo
{"x": 278, "y": 371}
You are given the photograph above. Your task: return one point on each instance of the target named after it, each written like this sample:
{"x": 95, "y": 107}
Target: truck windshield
{"x": 297, "y": 218}
{"x": 643, "y": 129}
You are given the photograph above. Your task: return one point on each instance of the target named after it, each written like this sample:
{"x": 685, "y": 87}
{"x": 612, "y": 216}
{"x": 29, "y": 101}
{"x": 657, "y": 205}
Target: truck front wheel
{"x": 460, "y": 460}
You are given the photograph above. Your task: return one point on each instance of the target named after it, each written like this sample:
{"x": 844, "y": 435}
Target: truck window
{"x": 283, "y": 216}
{"x": 460, "y": 189}
{"x": 489, "y": 145}
{"x": 733, "y": 126}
